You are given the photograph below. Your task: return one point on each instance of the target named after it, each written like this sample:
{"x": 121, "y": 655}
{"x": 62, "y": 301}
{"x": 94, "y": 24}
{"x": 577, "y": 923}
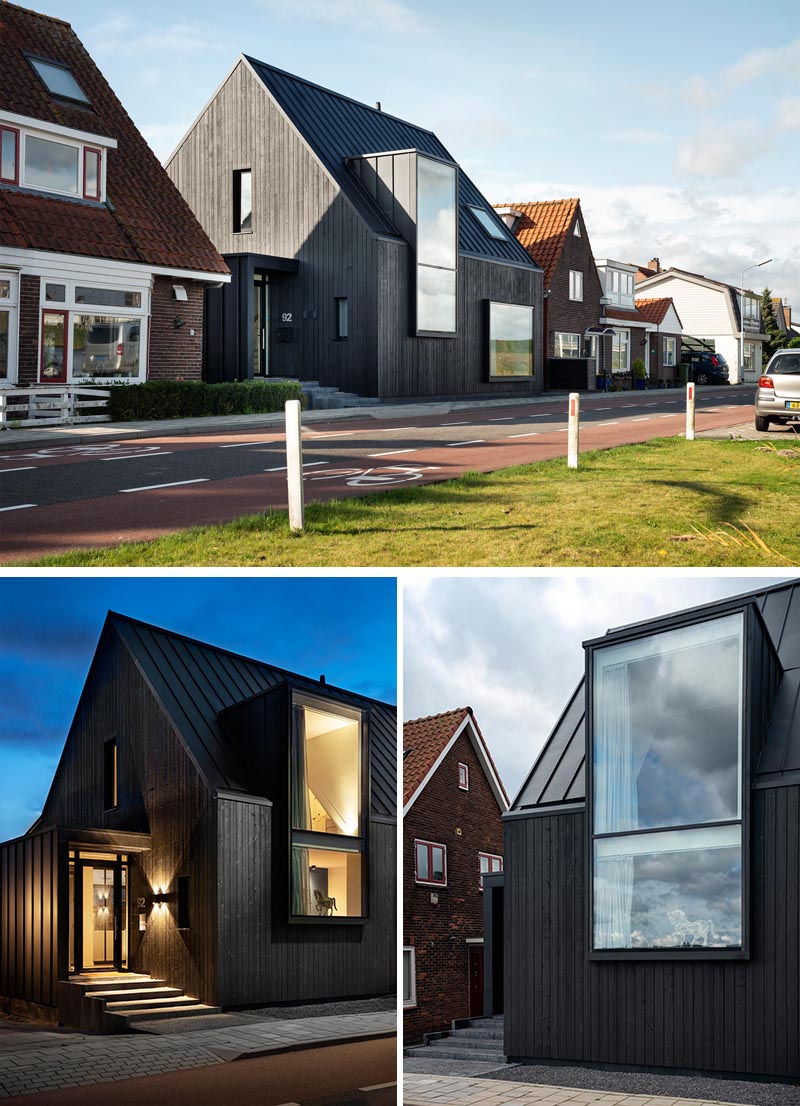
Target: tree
{"x": 776, "y": 338}
{"x": 794, "y": 344}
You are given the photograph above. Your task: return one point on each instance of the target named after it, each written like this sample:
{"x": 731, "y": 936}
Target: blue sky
{"x": 342, "y": 627}
{"x": 678, "y": 125}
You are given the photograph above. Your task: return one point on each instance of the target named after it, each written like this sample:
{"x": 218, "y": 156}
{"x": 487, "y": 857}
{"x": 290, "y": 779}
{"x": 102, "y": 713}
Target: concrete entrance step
{"x": 470, "y": 1040}
{"x": 150, "y": 1001}
{"x": 324, "y": 397}
{"x": 129, "y": 1020}
{"x": 440, "y": 1052}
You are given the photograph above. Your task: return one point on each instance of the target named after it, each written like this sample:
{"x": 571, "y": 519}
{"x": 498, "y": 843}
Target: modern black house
{"x": 361, "y": 254}
{"x": 219, "y": 833}
{"x": 652, "y": 857}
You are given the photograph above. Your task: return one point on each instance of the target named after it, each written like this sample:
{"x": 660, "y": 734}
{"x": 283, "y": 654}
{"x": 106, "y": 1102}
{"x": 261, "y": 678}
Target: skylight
{"x": 488, "y": 223}
{"x": 58, "y": 80}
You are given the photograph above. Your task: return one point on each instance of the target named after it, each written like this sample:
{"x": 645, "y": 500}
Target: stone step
{"x": 120, "y": 984}
{"x": 191, "y": 1010}
{"x": 468, "y": 1044}
{"x": 479, "y": 1033}
{"x": 158, "y": 993}
{"x": 156, "y": 1001}
{"x": 443, "y": 1052}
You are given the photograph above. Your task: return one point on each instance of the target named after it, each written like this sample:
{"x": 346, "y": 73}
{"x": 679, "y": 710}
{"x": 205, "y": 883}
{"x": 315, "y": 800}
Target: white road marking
{"x": 174, "y": 484}
{"x": 453, "y": 424}
{"x": 545, "y": 416}
{"x": 505, "y": 418}
{"x": 391, "y": 453}
{"x": 22, "y": 468}
{"x": 641, "y": 418}
{"x": 238, "y": 445}
{"x": 530, "y": 434}
{"x": 138, "y": 456}
{"x": 475, "y": 441}
{"x": 610, "y": 422}
{"x": 630, "y": 405}
{"x": 18, "y": 507}
{"x": 306, "y": 465}
{"x": 667, "y": 416}
{"x": 601, "y": 408}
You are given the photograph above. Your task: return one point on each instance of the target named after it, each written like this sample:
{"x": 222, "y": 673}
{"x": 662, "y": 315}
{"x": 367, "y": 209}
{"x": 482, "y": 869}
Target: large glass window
{"x": 566, "y": 345}
{"x": 667, "y": 789}
{"x": 105, "y": 345}
{"x": 437, "y": 246}
{"x": 620, "y": 350}
{"x": 327, "y": 819}
{"x": 510, "y": 340}
{"x": 51, "y": 165}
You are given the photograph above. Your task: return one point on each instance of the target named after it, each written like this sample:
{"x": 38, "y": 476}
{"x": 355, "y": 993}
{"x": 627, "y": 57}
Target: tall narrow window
{"x": 667, "y": 785}
{"x": 184, "y": 919}
{"x": 437, "y": 247}
{"x": 463, "y": 777}
{"x": 670, "y": 346}
{"x": 110, "y": 775}
{"x": 327, "y": 815}
{"x": 575, "y": 284}
{"x": 91, "y": 174}
{"x": 9, "y": 155}
{"x": 409, "y": 976}
{"x": 242, "y": 201}
{"x": 342, "y": 320}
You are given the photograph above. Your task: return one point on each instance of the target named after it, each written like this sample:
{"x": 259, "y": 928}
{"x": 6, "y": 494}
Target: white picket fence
{"x": 51, "y": 406}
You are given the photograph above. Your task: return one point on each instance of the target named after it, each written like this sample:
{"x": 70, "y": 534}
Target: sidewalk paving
{"x": 33, "y": 1061}
{"x": 47, "y": 437}
{"x": 441, "y": 1090}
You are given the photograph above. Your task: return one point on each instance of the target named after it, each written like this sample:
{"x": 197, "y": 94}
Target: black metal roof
{"x": 194, "y": 682}
{"x": 559, "y": 774}
{"x": 337, "y": 128}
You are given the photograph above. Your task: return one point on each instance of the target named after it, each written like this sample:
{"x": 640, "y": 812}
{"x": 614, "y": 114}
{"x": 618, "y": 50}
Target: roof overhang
{"x": 55, "y": 128}
{"x": 466, "y": 726}
{"x": 117, "y": 840}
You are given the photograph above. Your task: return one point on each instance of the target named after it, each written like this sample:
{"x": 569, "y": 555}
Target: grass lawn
{"x": 666, "y": 502}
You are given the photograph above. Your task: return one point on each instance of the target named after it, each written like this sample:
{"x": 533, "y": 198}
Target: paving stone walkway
{"x": 442, "y": 1090}
{"x": 33, "y": 1061}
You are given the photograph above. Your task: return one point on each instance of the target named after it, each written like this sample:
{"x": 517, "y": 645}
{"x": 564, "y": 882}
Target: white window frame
{"x": 561, "y": 349}
{"x": 465, "y": 785}
{"x": 71, "y": 307}
{"x": 411, "y": 1001}
{"x": 576, "y": 285}
{"x": 749, "y": 356}
{"x": 10, "y": 306}
{"x": 490, "y": 870}
{"x": 670, "y": 353}
{"x": 435, "y": 845}
{"x": 66, "y": 136}
{"x": 616, "y": 346}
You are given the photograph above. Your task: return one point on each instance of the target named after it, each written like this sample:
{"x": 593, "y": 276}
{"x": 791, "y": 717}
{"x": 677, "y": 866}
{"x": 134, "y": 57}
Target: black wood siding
{"x": 29, "y": 901}
{"x": 727, "y": 1016}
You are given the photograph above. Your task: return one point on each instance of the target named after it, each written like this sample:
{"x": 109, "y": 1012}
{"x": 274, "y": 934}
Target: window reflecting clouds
{"x": 510, "y": 340}
{"x": 51, "y": 165}
{"x": 437, "y": 246}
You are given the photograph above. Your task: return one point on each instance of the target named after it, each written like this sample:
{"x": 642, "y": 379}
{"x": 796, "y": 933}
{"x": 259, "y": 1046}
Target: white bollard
{"x": 690, "y": 411}
{"x": 294, "y": 464}
{"x": 573, "y": 427}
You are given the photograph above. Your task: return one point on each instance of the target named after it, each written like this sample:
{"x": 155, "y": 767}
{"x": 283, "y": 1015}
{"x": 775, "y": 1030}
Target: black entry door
{"x": 100, "y": 915}
{"x": 260, "y": 325}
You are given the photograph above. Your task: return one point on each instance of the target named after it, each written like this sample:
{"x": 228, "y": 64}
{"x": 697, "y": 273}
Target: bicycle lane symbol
{"x": 374, "y": 477}
{"x": 119, "y": 449}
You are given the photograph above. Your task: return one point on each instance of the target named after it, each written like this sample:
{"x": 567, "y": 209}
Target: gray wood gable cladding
{"x": 29, "y": 913}
{"x": 345, "y": 219}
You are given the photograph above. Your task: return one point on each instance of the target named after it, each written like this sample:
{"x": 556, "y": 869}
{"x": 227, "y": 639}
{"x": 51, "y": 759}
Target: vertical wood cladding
{"x": 738, "y": 1016}
{"x": 298, "y": 212}
{"x": 29, "y": 904}
{"x": 159, "y": 792}
{"x": 439, "y": 931}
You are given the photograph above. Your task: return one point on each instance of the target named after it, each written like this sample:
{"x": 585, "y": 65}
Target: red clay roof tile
{"x": 654, "y": 310}
{"x": 424, "y": 739}
{"x": 543, "y": 229}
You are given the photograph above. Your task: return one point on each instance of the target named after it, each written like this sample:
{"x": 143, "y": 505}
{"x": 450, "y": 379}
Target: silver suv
{"x": 778, "y": 392}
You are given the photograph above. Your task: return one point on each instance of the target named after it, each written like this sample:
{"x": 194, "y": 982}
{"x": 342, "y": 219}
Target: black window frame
{"x": 503, "y": 378}
{"x": 236, "y": 207}
{"x": 336, "y": 842}
{"x": 110, "y": 775}
{"x": 85, "y": 102}
{"x": 342, "y": 333}
{"x": 677, "y": 622}
{"x": 418, "y": 332}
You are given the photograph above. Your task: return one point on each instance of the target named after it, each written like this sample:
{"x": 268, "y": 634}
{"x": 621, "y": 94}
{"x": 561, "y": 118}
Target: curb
{"x": 229, "y": 1055}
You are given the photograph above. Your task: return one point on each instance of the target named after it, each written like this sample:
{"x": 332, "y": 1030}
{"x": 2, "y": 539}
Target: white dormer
{"x": 47, "y": 157}
{"x": 618, "y": 283}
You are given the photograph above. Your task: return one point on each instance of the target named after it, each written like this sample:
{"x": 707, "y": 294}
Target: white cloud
{"x": 780, "y": 61}
{"x": 162, "y": 138}
{"x": 721, "y": 151}
{"x": 120, "y": 34}
{"x": 789, "y": 114}
{"x": 698, "y": 93}
{"x": 384, "y": 16}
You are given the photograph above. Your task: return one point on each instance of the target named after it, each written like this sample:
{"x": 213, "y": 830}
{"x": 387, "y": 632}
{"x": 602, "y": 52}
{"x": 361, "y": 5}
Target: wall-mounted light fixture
{"x": 178, "y": 322}
{"x": 160, "y": 898}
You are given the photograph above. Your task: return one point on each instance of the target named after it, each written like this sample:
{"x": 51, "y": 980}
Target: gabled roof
{"x": 558, "y": 776}
{"x": 337, "y": 128}
{"x": 427, "y": 741}
{"x": 730, "y": 291}
{"x": 194, "y": 682}
{"x": 655, "y": 310}
{"x": 146, "y": 219}
{"x": 542, "y": 229}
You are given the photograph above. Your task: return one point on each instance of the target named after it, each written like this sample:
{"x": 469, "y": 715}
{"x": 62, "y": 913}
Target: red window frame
{"x": 489, "y": 856}
{"x": 431, "y": 845}
{"x": 15, "y": 178}
{"x": 463, "y": 777}
{"x": 93, "y": 150}
{"x": 53, "y": 379}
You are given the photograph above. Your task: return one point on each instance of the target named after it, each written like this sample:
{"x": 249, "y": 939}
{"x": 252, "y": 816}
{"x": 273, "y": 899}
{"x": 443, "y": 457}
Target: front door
{"x": 53, "y": 368}
{"x": 99, "y": 930}
{"x": 260, "y": 325}
{"x": 475, "y": 980}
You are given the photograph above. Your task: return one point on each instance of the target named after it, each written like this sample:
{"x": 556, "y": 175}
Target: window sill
{"x": 426, "y": 883}
{"x": 686, "y": 954}
{"x": 342, "y": 339}
{"x": 503, "y": 379}
{"x": 410, "y": 1005}
{"x": 327, "y": 921}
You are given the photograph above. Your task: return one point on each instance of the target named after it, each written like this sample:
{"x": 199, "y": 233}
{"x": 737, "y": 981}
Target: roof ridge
{"x": 39, "y": 15}
{"x": 440, "y": 714}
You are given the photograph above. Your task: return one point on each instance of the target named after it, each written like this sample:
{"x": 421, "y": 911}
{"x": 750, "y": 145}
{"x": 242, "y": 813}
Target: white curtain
{"x": 301, "y": 815}
{"x": 615, "y": 805}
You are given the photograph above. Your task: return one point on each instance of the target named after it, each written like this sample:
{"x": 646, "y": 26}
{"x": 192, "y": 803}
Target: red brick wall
{"x": 658, "y": 371}
{"x": 439, "y": 931}
{"x": 28, "y": 365}
{"x": 176, "y": 354}
{"x": 564, "y": 314}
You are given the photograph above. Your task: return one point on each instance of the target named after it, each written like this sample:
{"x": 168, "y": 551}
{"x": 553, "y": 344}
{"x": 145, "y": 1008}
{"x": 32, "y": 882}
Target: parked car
{"x": 706, "y": 366}
{"x": 112, "y": 347}
{"x": 778, "y": 392}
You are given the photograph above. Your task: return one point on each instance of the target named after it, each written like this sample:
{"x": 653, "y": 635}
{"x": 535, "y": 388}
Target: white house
{"x": 711, "y": 310}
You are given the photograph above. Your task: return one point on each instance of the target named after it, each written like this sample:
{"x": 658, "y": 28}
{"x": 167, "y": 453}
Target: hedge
{"x": 176, "y": 399}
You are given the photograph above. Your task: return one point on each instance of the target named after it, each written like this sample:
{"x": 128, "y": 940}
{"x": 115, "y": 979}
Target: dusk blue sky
{"x": 342, "y": 627}
{"x": 677, "y": 125}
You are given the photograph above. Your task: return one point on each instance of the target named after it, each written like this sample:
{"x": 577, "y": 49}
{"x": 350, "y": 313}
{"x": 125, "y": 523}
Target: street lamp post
{"x": 757, "y": 265}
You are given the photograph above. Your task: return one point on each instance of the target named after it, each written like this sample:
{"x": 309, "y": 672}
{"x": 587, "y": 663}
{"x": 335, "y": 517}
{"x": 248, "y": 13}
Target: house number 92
{"x": 286, "y": 317}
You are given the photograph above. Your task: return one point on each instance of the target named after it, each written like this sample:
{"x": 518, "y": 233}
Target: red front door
{"x": 53, "y": 364}
{"x": 475, "y": 981}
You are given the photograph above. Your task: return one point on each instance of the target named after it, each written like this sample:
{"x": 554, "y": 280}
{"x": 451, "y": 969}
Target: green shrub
{"x": 638, "y": 369}
{"x": 180, "y": 399}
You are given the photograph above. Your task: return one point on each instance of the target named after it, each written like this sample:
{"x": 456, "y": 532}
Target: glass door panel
{"x": 54, "y": 363}
{"x": 5, "y": 318}
{"x": 103, "y": 912}
{"x": 260, "y": 325}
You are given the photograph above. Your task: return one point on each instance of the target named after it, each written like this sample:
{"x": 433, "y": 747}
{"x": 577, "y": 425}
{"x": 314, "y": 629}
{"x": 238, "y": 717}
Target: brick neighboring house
{"x": 103, "y": 266}
{"x": 554, "y": 234}
{"x": 453, "y": 800}
{"x": 665, "y": 340}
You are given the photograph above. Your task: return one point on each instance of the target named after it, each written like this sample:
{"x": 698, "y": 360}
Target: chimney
{"x": 377, "y": 105}
{"x": 322, "y": 678}
{"x": 655, "y": 263}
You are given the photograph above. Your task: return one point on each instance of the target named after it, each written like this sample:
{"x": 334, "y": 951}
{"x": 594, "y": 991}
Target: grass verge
{"x": 666, "y": 502}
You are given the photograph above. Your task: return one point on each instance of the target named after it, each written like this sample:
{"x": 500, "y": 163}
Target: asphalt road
{"x": 72, "y": 496}
{"x": 344, "y": 1075}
